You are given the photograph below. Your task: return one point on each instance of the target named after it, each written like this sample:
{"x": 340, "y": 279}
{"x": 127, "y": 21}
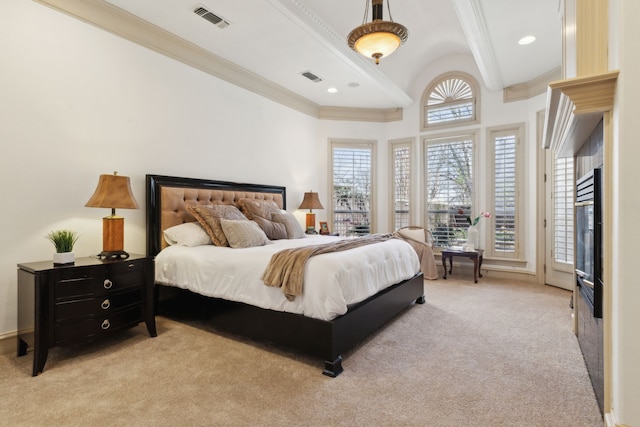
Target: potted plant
{"x": 63, "y": 240}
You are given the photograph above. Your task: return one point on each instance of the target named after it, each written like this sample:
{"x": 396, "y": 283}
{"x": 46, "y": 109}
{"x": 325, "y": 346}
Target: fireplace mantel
{"x": 574, "y": 108}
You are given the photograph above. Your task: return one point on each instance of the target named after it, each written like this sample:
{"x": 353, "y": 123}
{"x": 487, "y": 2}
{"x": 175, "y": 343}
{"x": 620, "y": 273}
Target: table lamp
{"x": 311, "y": 201}
{"x": 113, "y": 191}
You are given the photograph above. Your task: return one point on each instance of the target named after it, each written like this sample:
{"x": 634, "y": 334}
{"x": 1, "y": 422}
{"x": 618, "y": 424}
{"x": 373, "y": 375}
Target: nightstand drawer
{"x": 90, "y": 281}
{"x": 99, "y": 306}
{"x": 94, "y": 327}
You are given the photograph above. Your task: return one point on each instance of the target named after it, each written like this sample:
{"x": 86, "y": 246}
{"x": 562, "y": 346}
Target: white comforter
{"x": 332, "y": 281}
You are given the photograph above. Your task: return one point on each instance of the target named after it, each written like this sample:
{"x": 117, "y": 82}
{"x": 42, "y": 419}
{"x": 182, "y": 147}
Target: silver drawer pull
{"x": 105, "y": 324}
{"x": 131, "y": 265}
{"x": 107, "y": 284}
{"x": 105, "y": 304}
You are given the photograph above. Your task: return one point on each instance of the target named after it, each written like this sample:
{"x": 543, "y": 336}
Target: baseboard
{"x": 610, "y": 421}
{"x": 521, "y": 276}
{"x": 8, "y": 343}
{"x": 464, "y": 269}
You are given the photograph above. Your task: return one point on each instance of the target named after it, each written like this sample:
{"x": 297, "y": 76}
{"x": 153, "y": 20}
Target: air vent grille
{"x": 311, "y": 76}
{"x": 211, "y": 17}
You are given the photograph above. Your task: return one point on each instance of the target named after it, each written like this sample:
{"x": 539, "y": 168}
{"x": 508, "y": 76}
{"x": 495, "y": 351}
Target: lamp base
{"x": 113, "y": 255}
{"x": 311, "y": 223}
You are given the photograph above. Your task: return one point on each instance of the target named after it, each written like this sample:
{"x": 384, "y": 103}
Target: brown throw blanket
{"x": 425, "y": 255}
{"x": 286, "y": 268}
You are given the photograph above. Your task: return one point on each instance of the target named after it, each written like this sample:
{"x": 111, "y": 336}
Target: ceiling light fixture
{"x": 377, "y": 38}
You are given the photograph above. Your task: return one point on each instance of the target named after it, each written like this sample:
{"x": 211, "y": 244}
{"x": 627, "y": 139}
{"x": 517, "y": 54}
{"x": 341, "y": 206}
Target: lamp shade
{"x": 378, "y": 42}
{"x": 113, "y": 191}
{"x": 310, "y": 201}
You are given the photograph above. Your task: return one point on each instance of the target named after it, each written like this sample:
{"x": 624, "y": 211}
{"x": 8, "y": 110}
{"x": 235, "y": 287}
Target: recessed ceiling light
{"x": 353, "y": 84}
{"x": 332, "y": 90}
{"x": 526, "y": 40}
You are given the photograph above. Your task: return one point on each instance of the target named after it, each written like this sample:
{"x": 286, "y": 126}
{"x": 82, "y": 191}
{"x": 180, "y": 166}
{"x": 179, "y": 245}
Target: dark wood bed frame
{"x": 328, "y": 340}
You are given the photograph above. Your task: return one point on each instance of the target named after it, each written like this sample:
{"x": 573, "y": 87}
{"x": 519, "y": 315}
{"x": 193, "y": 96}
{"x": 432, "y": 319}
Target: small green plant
{"x": 63, "y": 240}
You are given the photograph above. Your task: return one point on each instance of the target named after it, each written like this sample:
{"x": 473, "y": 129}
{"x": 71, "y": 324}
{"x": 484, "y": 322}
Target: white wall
{"x": 78, "y": 102}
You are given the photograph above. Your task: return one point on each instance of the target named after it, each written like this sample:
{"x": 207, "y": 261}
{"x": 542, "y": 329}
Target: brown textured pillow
{"x": 209, "y": 218}
{"x": 294, "y": 229}
{"x": 273, "y": 230}
{"x": 254, "y": 207}
{"x": 260, "y": 211}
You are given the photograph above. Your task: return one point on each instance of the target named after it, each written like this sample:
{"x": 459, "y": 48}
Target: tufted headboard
{"x": 167, "y": 198}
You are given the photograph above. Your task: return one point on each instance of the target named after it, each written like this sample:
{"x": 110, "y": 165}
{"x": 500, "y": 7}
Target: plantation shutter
{"x": 401, "y": 157}
{"x": 563, "y": 210}
{"x": 450, "y": 101}
{"x": 505, "y": 196}
{"x": 352, "y": 185}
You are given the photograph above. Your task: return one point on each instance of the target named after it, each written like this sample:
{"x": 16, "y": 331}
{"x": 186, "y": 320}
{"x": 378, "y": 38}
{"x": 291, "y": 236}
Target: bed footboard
{"x": 328, "y": 340}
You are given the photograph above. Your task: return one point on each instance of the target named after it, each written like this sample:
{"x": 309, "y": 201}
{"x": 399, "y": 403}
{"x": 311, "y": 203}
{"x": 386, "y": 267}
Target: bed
{"x": 299, "y": 324}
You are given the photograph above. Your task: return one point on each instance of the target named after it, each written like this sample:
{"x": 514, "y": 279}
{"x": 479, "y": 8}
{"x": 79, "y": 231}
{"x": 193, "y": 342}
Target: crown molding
{"x": 360, "y": 114}
{"x": 532, "y": 88}
{"x": 574, "y": 108}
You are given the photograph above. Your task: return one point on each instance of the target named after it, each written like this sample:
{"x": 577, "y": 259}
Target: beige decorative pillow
{"x": 243, "y": 234}
{"x": 188, "y": 234}
{"x": 209, "y": 218}
{"x": 294, "y": 229}
{"x": 260, "y": 211}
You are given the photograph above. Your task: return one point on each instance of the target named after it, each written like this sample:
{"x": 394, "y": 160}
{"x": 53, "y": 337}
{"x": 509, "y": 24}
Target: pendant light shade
{"x": 378, "y": 38}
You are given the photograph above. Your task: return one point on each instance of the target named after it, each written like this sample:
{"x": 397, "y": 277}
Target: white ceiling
{"x": 280, "y": 39}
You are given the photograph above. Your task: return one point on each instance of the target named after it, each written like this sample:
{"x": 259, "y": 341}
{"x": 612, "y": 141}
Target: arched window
{"x": 450, "y": 100}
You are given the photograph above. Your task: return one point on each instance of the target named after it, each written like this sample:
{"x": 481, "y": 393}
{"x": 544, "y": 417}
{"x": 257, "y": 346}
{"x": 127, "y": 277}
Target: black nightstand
{"x": 83, "y": 302}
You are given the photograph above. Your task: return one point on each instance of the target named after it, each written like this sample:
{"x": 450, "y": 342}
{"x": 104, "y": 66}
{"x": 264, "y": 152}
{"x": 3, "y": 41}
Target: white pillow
{"x": 243, "y": 234}
{"x": 294, "y": 229}
{"x": 187, "y": 234}
{"x": 415, "y": 234}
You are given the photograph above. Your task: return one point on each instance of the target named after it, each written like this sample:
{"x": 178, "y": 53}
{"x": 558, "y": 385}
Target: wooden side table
{"x": 476, "y": 256}
{"x": 82, "y": 302}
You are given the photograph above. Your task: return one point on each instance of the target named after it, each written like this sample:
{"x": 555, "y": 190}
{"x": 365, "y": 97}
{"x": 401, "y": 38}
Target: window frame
{"x": 353, "y": 144}
{"x": 517, "y": 130}
{"x": 451, "y": 137}
{"x": 424, "y": 102}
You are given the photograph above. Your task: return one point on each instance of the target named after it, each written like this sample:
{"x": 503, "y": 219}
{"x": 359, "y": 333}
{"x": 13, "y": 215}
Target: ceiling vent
{"x": 311, "y": 76}
{"x": 211, "y": 17}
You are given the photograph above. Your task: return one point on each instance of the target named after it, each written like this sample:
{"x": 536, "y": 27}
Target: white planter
{"x": 61, "y": 258}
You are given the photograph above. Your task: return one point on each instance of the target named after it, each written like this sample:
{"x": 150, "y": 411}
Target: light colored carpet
{"x": 495, "y": 353}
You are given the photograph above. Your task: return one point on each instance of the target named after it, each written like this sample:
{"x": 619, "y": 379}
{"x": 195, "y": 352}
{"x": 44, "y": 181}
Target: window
{"x": 450, "y": 100}
{"x": 401, "y": 179}
{"x": 352, "y": 187}
{"x": 449, "y": 184}
{"x": 563, "y": 211}
{"x": 504, "y": 150}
